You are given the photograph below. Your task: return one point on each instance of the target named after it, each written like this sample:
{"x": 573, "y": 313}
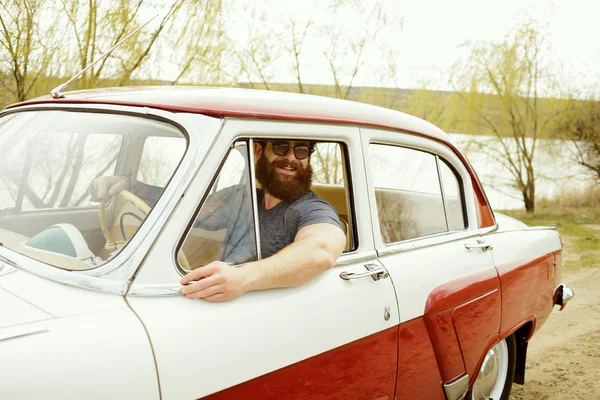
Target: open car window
{"x": 48, "y": 159}
{"x": 224, "y": 228}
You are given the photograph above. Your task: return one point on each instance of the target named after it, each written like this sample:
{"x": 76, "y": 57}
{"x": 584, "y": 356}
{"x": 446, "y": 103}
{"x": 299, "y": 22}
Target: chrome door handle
{"x": 375, "y": 271}
{"x": 481, "y": 244}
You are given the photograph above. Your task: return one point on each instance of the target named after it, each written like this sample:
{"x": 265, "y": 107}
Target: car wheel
{"x": 497, "y": 372}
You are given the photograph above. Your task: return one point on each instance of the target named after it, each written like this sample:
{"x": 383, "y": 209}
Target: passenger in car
{"x": 300, "y": 234}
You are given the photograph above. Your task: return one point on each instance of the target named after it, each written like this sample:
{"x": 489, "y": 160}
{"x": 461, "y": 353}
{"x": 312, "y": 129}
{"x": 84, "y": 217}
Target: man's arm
{"x": 314, "y": 250}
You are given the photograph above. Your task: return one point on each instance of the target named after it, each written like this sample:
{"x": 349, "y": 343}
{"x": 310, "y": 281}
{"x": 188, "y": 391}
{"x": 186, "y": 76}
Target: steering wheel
{"x": 112, "y": 245}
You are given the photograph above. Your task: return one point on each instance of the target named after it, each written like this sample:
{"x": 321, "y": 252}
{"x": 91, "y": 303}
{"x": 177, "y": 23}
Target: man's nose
{"x": 290, "y": 154}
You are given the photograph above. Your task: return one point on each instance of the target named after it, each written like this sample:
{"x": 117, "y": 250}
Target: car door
{"x": 331, "y": 338}
{"x": 427, "y": 236}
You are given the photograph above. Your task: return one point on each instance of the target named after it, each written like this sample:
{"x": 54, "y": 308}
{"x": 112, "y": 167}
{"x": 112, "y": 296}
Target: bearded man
{"x": 300, "y": 234}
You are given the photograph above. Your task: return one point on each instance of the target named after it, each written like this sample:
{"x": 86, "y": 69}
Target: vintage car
{"x": 434, "y": 297}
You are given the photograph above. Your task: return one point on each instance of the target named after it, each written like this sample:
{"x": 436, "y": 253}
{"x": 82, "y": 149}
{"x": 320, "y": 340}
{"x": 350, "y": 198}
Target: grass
{"x": 578, "y": 226}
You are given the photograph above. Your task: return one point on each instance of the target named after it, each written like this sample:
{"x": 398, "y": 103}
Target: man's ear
{"x": 258, "y": 150}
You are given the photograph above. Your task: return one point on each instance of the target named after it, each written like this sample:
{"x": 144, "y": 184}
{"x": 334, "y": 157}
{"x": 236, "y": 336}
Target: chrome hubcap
{"x": 492, "y": 375}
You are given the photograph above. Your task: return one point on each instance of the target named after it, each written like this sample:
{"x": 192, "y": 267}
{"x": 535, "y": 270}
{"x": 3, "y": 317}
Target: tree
{"x": 501, "y": 84}
{"x": 25, "y": 52}
{"x": 301, "y": 44}
{"x": 581, "y": 126}
{"x": 95, "y": 26}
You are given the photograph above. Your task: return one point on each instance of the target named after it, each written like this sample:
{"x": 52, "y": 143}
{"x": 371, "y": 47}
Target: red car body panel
{"x": 418, "y": 373}
{"x": 527, "y": 292}
{"x": 364, "y": 369}
{"x": 445, "y": 344}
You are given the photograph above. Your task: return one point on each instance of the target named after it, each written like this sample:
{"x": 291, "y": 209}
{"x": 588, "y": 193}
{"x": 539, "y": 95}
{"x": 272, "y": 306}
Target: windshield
{"x": 76, "y": 186}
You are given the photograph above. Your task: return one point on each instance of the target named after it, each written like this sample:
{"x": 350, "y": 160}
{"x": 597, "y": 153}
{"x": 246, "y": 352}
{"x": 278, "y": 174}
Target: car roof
{"x": 251, "y": 103}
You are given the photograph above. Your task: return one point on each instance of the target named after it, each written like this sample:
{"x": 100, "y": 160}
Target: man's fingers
{"x": 200, "y": 285}
{"x": 199, "y": 273}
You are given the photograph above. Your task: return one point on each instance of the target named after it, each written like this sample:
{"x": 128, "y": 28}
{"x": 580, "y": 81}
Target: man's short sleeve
{"x": 316, "y": 211}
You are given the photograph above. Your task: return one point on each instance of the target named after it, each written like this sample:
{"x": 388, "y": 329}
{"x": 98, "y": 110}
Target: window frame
{"x": 250, "y": 140}
{"x": 441, "y": 187}
{"x": 214, "y": 179}
{"x": 439, "y": 150}
{"x": 461, "y": 192}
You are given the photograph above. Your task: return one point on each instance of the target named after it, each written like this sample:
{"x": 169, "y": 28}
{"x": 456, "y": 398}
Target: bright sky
{"x": 440, "y": 27}
{"x": 433, "y": 29}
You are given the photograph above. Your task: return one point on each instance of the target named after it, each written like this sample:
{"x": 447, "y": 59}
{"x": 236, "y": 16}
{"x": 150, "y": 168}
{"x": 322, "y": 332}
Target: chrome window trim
{"x": 254, "y": 196}
{"x": 355, "y": 257}
{"x": 528, "y": 229}
{"x": 439, "y": 172}
{"x": 237, "y": 142}
{"x": 458, "y": 388}
{"x": 28, "y": 331}
{"x": 427, "y": 241}
{"x": 172, "y": 289}
{"x": 115, "y": 275}
{"x": 72, "y": 278}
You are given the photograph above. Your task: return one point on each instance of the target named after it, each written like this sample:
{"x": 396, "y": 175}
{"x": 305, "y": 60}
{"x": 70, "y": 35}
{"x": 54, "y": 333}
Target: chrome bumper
{"x": 562, "y": 295}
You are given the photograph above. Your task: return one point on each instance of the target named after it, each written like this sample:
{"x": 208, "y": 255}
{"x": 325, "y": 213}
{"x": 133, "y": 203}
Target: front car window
{"x": 48, "y": 159}
{"x": 160, "y": 157}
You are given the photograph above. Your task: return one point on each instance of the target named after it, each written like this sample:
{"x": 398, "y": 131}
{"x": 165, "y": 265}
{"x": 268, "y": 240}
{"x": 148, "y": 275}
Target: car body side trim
{"x": 457, "y": 389}
{"x": 20, "y": 334}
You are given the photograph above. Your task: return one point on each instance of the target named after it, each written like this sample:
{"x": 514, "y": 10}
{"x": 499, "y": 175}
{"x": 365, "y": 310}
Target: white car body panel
{"x": 193, "y": 339}
{"x": 522, "y": 246}
{"x": 102, "y": 355}
{"x": 16, "y": 311}
{"x": 419, "y": 266}
{"x": 57, "y": 299}
{"x": 324, "y": 311}
{"x": 418, "y": 272}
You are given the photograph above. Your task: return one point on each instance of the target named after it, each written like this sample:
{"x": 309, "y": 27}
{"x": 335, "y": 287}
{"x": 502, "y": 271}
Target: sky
{"x": 428, "y": 40}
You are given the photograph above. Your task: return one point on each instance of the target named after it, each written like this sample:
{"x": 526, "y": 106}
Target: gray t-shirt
{"x": 232, "y": 210}
{"x": 280, "y": 224}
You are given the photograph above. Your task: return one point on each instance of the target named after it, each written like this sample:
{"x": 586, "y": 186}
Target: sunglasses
{"x": 301, "y": 151}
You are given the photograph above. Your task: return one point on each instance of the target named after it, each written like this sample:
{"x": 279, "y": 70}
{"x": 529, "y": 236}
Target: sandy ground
{"x": 563, "y": 360}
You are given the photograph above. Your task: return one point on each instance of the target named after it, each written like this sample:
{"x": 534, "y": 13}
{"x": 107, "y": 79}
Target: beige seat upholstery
{"x": 336, "y": 196}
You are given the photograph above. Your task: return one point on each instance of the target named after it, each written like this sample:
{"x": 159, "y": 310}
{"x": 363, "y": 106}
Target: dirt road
{"x": 563, "y": 360}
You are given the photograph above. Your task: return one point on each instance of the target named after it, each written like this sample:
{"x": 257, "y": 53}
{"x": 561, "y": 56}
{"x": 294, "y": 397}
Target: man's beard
{"x": 283, "y": 187}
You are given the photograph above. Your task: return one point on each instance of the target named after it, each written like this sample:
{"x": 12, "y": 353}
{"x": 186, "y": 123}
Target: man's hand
{"x": 216, "y": 281}
{"x": 105, "y": 187}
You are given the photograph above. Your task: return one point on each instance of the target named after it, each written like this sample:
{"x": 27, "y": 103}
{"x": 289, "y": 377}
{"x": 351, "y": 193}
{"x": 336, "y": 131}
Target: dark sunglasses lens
{"x": 281, "y": 149}
{"x": 301, "y": 152}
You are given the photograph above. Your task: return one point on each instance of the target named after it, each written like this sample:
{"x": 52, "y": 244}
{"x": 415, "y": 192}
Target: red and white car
{"x": 435, "y": 297}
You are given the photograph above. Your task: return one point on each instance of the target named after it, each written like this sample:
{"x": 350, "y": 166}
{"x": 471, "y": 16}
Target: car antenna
{"x": 56, "y": 93}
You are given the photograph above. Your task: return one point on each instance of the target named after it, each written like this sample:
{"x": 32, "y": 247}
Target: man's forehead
{"x": 294, "y": 142}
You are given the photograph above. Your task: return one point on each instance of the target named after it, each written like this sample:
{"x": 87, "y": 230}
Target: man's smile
{"x": 287, "y": 170}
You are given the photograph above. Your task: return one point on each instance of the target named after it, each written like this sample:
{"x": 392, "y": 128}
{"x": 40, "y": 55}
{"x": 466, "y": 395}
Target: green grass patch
{"x": 577, "y": 227}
